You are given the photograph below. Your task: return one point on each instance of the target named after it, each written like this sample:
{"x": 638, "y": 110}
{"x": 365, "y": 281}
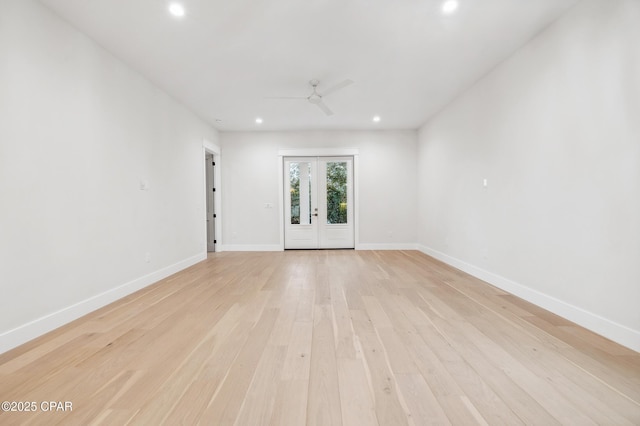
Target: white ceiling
{"x": 224, "y": 57}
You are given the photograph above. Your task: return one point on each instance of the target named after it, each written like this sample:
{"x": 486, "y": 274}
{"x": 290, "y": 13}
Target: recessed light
{"x": 177, "y": 10}
{"x": 258, "y": 120}
{"x": 449, "y": 6}
{"x": 376, "y": 119}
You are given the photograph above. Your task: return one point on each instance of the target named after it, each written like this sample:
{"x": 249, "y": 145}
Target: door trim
{"x": 209, "y": 147}
{"x": 211, "y": 215}
{"x": 320, "y": 152}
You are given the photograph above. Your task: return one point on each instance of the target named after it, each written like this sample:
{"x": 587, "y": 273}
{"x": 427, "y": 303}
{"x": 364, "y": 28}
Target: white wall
{"x": 387, "y": 185}
{"x": 556, "y": 131}
{"x": 79, "y": 130}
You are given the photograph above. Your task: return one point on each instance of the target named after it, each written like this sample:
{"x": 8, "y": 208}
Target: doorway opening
{"x": 318, "y": 203}
{"x": 210, "y": 165}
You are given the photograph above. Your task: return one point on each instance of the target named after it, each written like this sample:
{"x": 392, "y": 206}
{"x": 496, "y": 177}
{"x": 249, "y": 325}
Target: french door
{"x": 318, "y": 206}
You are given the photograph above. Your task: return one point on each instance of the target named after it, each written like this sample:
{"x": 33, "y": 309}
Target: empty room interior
{"x": 320, "y": 212}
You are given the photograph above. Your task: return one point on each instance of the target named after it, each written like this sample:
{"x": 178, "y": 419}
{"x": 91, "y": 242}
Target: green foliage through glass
{"x": 294, "y": 179}
{"x": 300, "y": 173}
{"x": 336, "y": 192}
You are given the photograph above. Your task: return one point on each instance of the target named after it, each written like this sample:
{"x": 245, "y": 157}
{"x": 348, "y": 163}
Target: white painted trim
{"x": 204, "y": 191}
{"x": 600, "y": 325}
{"x": 210, "y": 146}
{"x": 251, "y": 247}
{"x": 29, "y": 331}
{"x": 318, "y": 152}
{"x": 387, "y": 246}
{"x": 356, "y": 201}
{"x": 280, "y": 160}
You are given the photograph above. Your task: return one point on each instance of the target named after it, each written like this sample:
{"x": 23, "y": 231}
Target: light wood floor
{"x": 320, "y": 338}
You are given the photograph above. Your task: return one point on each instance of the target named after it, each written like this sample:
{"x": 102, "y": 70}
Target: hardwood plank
{"x": 290, "y": 407}
{"x": 493, "y": 395}
{"x": 323, "y": 407}
{"x": 226, "y": 403}
{"x": 424, "y": 408}
{"x": 258, "y": 404}
{"x": 356, "y": 394}
{"x": 298, "y": 359}
{"x": 388, "y": 405}
{"x": 323, "y": 337}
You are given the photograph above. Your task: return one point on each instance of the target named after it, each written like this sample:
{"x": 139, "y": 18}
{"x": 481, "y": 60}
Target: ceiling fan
{"x": 316, "y": 98}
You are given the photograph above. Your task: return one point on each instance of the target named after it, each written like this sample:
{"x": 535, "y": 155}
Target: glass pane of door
{"x": 337, "y": 192}
{"x": 300, "y": 192}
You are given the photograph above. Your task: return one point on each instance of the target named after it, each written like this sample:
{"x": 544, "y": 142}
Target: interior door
{"x": 318, "y": 202}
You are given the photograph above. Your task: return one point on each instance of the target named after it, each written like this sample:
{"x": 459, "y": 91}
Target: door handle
{"x": 315, "y": 214}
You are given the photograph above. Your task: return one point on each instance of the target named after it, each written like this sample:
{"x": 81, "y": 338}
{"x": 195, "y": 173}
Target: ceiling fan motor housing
{"x": 314, "y": 98}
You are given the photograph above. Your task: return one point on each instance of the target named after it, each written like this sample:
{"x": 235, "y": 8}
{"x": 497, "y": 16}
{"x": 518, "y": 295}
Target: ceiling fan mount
{"x": 316, "y": 98}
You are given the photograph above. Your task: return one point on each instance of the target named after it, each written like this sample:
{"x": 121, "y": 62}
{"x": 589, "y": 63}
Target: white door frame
{"x": 211, "y": 215}
{"x": 209, "y": 147}
{"x": 320, "y": 152}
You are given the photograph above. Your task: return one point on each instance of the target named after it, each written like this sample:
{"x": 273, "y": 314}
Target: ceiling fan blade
{"x": 337, "y": 87}
{"x": 324, "y": 108}
{"x": 285, "y": 97}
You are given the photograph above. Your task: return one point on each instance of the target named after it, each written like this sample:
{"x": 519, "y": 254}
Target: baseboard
{"x": 29, "y": 331}
{"x": 611, "y": 330}
{"x": 278, "y": 247}
{"x": 386, "y": 246}
{"x": 251, "y": 247}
